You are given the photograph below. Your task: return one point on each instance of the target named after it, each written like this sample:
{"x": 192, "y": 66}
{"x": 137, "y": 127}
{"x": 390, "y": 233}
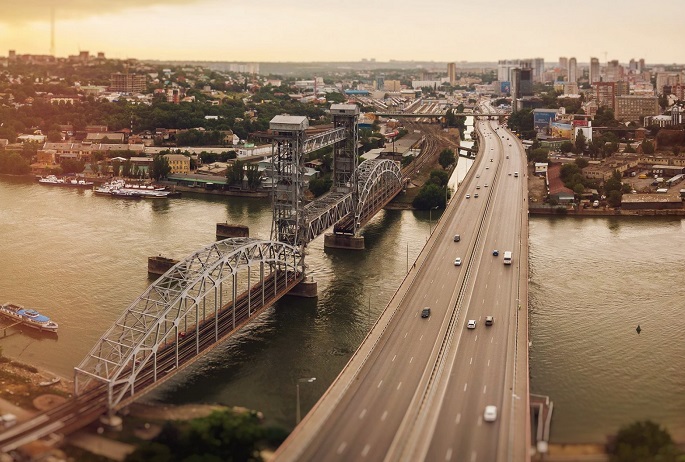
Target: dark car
{"x": 495, "y": 252}
{"x": 425, "y": 312}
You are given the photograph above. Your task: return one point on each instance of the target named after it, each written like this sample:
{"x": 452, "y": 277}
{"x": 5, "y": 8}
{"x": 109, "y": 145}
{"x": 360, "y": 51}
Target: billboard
{"x": 505, "y": 87}
{"x": 560, "y": 130}
{"x": 580, "y": 123}
{"x": 542, "y": 119}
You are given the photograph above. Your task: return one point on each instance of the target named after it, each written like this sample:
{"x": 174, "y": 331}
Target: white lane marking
{"x": 473, "y": 456}
{"x": 393, "y": 359}
{"x": 465, "y": 385}
{"x": 421, "y": 338}
{"x": 488, "y": 362}
{"x": 483, "y": 301}
{"x": 425, "y": 295}
{"x": 476, "y": 339}
{"x": 458, "y": 419}
{"x": 448, "y": 456}
{"x": 485, "y": 387}
{"x": 342, "y": 447}
{"x": 399, "y": 385}
{"x": 411, "y": 359}
{"x": 405, "y": 335}
{"x": 362, "y": 414}
{"x": 443, "y": 286}
{"x": 486, "y": 286}
{"x": 379, "y": 384}
{"x": 471, "y": 361}
{"x": 416, "y": 314}
{"x": 365, "y": 451}
{"x": 493, "y": 338}
{"x": 385, "y": 414}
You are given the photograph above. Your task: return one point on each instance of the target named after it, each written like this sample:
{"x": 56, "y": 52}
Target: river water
{"x": 82, "y": 259}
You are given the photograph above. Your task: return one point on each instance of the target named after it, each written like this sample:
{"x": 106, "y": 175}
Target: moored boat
{"x": 28, "y": 317}
{"x": 52, "y": 180}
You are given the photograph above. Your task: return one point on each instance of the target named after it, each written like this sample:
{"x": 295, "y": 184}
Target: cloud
{"x": 39, "y": 10}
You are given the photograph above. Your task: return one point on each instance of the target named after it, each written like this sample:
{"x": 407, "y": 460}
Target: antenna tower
{"x": 52, "y": 31}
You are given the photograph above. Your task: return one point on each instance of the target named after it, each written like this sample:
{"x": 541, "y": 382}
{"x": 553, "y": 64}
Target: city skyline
{"x": 441, "y": 30}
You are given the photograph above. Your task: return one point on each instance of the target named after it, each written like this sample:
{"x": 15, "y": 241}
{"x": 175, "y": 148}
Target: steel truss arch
{"x": 186, "y": 312}
{"x": 379, "y": 181}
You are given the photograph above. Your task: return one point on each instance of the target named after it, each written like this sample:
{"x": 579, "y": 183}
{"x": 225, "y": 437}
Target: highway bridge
{"x": 439, "y": 114}
{"x": 416, "y": 389}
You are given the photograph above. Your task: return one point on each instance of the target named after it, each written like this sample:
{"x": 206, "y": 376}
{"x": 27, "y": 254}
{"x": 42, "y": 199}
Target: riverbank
{"x": 603, "y": 212}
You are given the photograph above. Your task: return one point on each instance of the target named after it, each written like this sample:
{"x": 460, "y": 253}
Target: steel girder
{"x": 316, "y": 142}
{"x": 192, "y": 291}
{"x": 327, "y": 210}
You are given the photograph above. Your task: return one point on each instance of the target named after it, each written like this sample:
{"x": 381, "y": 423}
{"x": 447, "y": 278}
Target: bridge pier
{"x": 343, "y": 241}
{"x": 225, "y": 230}
{"x": 308, "y": 289}
{"x": 111, "y": 421}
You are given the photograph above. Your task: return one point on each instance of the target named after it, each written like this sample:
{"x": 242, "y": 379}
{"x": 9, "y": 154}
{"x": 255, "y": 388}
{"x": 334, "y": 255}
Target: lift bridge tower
{"x": 292, "y": 218}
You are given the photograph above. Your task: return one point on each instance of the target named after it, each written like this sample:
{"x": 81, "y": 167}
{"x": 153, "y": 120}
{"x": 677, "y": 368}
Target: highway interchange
{"x": 417, "y": 387}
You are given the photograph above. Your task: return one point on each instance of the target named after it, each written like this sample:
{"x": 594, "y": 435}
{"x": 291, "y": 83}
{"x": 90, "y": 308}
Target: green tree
{"x": 566, "y": 147}
{"x": 580, "y": 143}
{"x": 253, "y": 175}
{"x": 629, "y": 149}
{"x": 72, "y": 166}
{"x": 676, "y": 150}
{"x": 235, "y": 173}
{"x": 644, "y": 441}
{"x": 647, "y": 147}
{"x": 116, "y": 167}
{"x": 320, "y": 186}
{"x": 431, "y": 195}
{"x": 446, "y": 158}
{"x": 582, "y": 163}
{"x": 538, "y": 155}
{"x": 160, "y": 167}
{"x": 439, "y": 177}
{"x": 126, "y": 168}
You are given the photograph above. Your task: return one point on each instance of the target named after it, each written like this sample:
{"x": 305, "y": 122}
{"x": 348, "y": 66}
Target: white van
{"x": 516, "y": 174}
{"x": 507, "y": 257}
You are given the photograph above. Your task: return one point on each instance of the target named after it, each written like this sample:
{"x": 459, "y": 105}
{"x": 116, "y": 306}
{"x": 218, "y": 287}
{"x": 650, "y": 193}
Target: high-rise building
{"x": 594, "y": 70}
{"x": 563, "y": 65}
{"x": 572, "y": 70}
{"x": 127, "y": 83}
{"x": 452, "y": 73}
{"x": 538, "y": 69}
{"x": 613, "y": 72}
{"x": 515, "y": 88}
{"x": 632, "y": 65}
{"x": 641, "y": 65}
{"x": 606, "y": 93}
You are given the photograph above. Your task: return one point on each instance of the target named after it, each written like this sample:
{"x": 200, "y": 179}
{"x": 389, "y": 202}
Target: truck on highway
{"x": 507, "y": 257}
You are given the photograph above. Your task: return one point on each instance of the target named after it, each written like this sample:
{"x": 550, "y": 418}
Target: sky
{"x": 324, "y": 30}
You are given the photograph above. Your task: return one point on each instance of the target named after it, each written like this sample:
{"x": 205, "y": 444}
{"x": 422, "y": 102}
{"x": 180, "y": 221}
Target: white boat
{"x": 28, "y": 317}
{"x": 54, "y": 181}
{"x": 118, "y": 188}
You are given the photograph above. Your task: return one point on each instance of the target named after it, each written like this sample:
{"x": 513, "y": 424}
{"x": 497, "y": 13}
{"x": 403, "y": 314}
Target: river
{"x": 82, "y": 260}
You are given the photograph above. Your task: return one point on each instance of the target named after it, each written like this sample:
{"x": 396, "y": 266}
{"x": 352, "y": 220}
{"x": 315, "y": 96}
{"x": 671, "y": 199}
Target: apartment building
{"x": 127, "y": 83}
{"x": 178, "y": 163}
{"x": 632, "y": 107}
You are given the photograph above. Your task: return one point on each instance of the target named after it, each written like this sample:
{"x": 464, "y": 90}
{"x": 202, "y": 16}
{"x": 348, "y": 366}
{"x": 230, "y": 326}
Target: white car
{"x": 468, "y": 196}
{"x": 471, "y": 324}
{"x": 457, "y": 261}
{"x": 490, "y": 414}
{"x": 486, "y": 185}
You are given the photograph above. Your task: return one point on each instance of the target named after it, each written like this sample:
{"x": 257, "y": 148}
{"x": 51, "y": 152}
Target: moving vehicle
{"x": 475, "y": 195}
{"x": 457, "y": 261}
{"x": 471, "y": 324}
{"x": 425, "y": 312}
{"x": 507, "y": 257}
{"x": 495, "y": 252}
{"x": 489, "y": 320}
{"x": 477, "y": 186}
{"x": 457, "y": 238}
{"x": 468, "y": 196}
{"x": 490, "y": 414}
{"x": 516, "y": 174}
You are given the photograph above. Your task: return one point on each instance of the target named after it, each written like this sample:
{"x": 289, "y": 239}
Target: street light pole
{"x": 298, "y": 416}
{"x": 430, "y": 219}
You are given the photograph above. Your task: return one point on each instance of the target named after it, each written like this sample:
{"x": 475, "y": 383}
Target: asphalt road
{"x": 416, "y": 389}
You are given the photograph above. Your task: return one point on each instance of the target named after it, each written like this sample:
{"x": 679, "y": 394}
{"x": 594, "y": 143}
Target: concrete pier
{"x": 225, "y": 230}
{"x": 343, "y": 241}
{"x": 156, "y": 266}
{"x": 307, "y": 288}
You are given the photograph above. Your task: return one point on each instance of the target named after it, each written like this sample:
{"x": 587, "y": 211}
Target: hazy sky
{"x": 326, "y": 30}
